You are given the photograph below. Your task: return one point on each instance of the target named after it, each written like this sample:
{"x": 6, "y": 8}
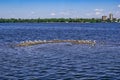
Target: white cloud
{"x": 53, "y": 14}
{"x": 98, "y": 13}
{"x": 88, "y": 14}
{"x": 32, "y": 12}
{"x": 119, "y": 5}
{"x": 64, "y": 13}
{"x": 98, "y": 10}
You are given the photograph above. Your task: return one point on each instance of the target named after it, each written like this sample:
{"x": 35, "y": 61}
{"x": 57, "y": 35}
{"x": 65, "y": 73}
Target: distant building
{"x": 104, "y": 18}
{"x": 111, "y": 17}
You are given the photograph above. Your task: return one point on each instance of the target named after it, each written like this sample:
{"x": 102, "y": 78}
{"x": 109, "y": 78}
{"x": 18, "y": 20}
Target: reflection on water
{"x": 60, "y": 60}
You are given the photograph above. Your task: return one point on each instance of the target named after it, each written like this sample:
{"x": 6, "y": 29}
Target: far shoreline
{"x": 58, "y": 20}
{"x": 59, "y": 23}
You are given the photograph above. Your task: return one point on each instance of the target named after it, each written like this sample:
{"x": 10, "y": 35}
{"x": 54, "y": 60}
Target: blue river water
{"x": 60, "y": 61}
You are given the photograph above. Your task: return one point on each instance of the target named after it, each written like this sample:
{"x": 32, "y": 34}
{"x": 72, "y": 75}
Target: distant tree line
{"x": 81, "y": 20}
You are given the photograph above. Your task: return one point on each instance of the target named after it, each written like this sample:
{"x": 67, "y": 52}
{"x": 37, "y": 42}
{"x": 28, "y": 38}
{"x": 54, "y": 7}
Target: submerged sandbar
{"x": 36, "y": 42}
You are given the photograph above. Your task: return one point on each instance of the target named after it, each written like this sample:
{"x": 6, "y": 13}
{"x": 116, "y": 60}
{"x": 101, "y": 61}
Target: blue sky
{"x": 58, "y": 8}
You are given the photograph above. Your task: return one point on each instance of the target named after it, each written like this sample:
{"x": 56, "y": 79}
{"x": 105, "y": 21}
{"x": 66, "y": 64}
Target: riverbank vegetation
{"x": 81, "y": 20}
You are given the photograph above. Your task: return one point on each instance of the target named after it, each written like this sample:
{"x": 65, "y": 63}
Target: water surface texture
{"x": 60, "y": 61}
